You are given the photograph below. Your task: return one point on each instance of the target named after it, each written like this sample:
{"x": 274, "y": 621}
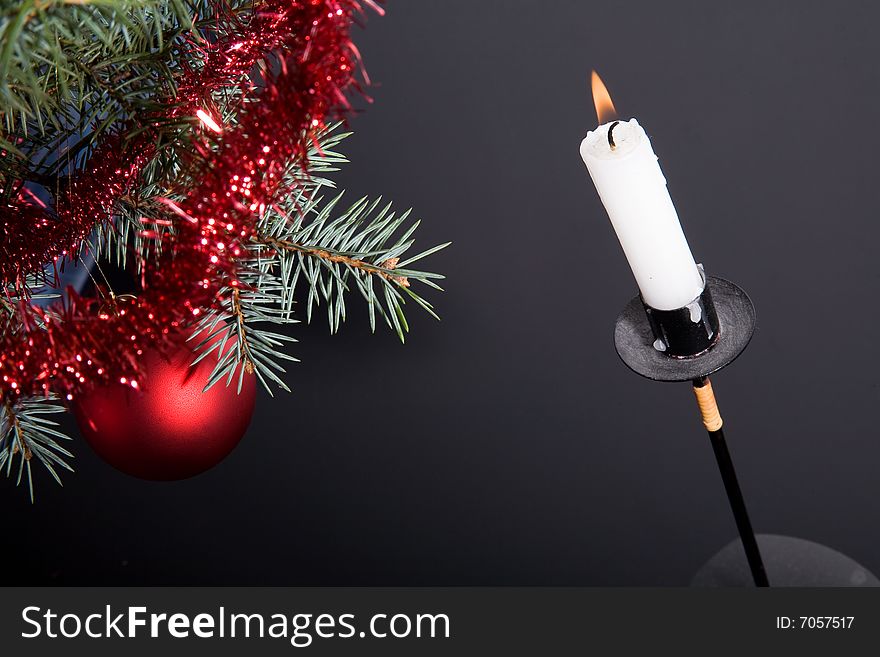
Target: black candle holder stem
{"x": 713, "y": 422}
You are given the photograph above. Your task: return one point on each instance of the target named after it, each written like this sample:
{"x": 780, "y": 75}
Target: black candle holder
{"x": 689, "y": 344}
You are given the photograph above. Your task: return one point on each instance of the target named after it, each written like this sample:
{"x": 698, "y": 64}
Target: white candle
{"x": 633, "y": 191}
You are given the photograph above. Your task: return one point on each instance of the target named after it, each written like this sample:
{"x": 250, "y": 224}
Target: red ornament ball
{"x": 167, "y": 429}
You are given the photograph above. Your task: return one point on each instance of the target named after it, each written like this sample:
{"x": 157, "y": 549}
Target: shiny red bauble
{"x": 168, "y": 428}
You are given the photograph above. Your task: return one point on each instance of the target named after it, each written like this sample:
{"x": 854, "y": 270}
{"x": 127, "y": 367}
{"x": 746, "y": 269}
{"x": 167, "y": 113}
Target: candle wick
{"x": 611, "y": 135}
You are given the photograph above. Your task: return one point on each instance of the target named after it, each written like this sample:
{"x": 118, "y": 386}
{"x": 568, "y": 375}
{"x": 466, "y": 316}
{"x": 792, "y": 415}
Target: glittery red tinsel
{"x": 68, "y": 349}
{"x": 34, "y": 234}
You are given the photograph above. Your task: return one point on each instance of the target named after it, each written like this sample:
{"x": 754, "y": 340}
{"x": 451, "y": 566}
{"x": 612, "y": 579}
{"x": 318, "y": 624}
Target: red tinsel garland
{"x": 34, "y": 235}
{"x": 69, "y": 349}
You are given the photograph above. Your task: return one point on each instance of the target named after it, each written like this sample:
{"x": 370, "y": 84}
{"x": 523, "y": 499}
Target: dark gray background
{"x": 507, "y": 444}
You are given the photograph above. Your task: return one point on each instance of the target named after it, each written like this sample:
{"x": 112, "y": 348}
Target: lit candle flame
{"x": 602, "y": 99}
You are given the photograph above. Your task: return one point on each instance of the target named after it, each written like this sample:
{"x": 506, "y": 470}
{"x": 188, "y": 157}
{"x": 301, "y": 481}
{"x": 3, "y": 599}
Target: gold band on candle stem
{"x": 709, "y": 412}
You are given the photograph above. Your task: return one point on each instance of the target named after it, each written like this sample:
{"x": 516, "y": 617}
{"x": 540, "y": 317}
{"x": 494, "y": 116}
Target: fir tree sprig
{"x": 305, "y": 248}
{"x": 26, "y": 435}
{"x": 360, "y": 247}
{"x": 69, "y": 71}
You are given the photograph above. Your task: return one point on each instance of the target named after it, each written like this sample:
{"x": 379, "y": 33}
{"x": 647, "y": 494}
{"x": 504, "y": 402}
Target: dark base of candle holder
{"x": 788, "y": 561}
{"x": 634, "y": 339}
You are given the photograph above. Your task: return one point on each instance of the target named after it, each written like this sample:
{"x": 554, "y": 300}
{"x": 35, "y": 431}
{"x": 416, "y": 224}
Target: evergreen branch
{"x": 238, "y": 314}
{"x": 355, "y": 248}
{"x": 26, "y": 434}
{"x": 71, "y": 70}
{"x": 385, "y": 269}
{"x": 236, "y": 334}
